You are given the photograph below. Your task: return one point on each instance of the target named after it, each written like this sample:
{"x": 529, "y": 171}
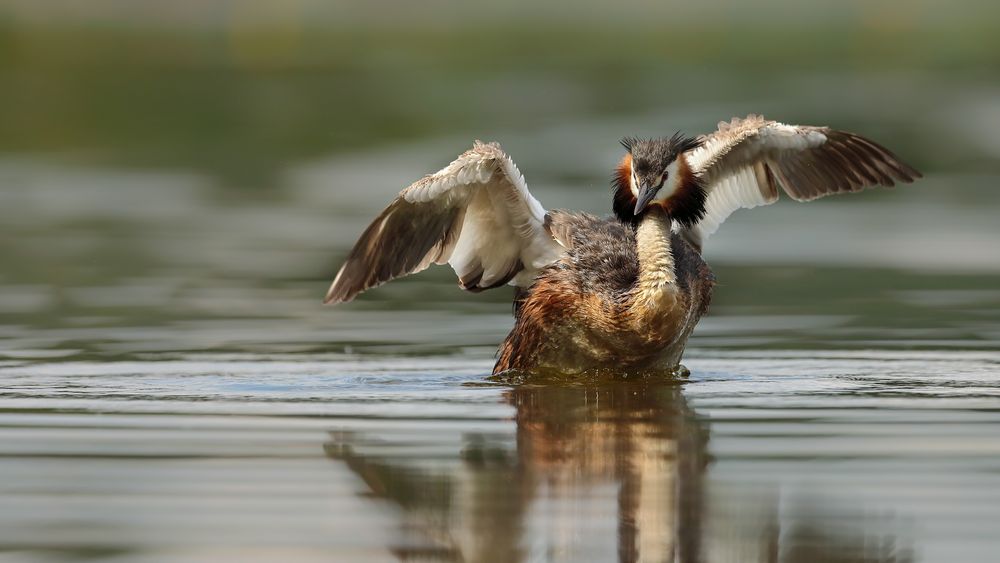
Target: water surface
{"x": 172, "y": 389}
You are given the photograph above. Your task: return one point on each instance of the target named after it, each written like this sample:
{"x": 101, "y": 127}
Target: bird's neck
{"x": 656, "y": 257}
{"x": 656, "y": 305}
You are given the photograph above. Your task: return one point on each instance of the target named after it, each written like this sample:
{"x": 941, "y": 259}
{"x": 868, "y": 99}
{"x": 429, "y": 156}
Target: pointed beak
{"x": 646, "y": 195}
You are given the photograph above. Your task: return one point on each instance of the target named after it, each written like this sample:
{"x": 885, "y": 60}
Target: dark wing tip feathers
{"x": 401, "y": 240}
{"x": 872, "y": 164}
{"x": 904, "y": 172}
{"x": 844, "y": 163}
{"x": 331, "y": 297}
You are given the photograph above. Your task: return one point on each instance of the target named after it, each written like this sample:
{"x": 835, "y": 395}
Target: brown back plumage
{"x": 586, "y": 295}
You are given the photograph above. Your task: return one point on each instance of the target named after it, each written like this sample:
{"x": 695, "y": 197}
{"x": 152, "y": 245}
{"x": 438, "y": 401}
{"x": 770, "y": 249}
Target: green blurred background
{"x": 239, "y": 90}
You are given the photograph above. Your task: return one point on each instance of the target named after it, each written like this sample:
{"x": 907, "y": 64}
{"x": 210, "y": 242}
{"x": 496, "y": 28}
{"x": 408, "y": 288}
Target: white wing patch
{"x": 503, "y": 224}
{"x": 740, "y": 190}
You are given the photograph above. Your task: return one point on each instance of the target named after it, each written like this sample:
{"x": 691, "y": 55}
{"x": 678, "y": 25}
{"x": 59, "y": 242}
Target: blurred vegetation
{"x": 239, "y": 101}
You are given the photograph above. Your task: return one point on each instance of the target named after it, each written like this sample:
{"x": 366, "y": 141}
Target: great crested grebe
{"x": 617, "y": 293}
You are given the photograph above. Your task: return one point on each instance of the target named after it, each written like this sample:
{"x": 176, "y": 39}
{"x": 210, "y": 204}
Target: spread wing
{"x": 476, "y": 214}
{"x": 745, "y": 162}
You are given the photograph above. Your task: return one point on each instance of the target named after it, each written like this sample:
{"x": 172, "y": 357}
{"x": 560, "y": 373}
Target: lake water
{"x": 172, "y": 389}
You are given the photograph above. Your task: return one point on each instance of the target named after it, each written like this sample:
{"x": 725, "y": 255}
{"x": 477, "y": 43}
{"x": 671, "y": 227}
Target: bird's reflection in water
{"x": 602, "y": 470}
{"x": 626, "y": 454}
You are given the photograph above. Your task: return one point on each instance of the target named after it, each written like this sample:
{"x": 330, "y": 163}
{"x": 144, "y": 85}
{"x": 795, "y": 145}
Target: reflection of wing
{"x": 743, "y": 164}
{"x": 476, "y": 214}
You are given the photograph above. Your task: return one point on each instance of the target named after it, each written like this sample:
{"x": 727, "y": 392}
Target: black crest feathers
{"x": 648, "y": 160}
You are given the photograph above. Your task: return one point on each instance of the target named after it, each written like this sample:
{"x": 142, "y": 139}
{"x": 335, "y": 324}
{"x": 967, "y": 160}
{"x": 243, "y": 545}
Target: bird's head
{"x": 655, "y": 172}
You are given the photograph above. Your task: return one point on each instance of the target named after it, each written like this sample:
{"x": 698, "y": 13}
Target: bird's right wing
{"x": 747, "y": 162}
{"x": 476, "y": 214}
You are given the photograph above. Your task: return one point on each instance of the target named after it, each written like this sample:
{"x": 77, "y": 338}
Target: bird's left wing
{"x": 476, "y": 214}
{"x": 746, "y": 161}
